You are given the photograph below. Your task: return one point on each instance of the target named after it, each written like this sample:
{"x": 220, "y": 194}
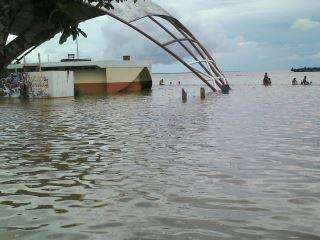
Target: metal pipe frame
{"x": 204, "y": 54}
{"x": 212, "y": 76}
{"x": 192, "y": 41}
{"x": 192, "y": 69}
{"x": 184, "y": 29}
{"x": 176, "y": 39}
{"x": 185, "y": 32}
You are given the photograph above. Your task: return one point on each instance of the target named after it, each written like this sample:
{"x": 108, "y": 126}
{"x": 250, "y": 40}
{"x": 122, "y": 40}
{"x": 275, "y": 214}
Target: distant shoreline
{"x": 298, "y": 70}
{"x": 306, "y": 69}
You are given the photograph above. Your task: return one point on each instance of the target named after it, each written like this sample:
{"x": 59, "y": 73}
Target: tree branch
{"x": 41, "y": 29}
{"x": 21, "y": 44}
{"x": 3, "y": 38}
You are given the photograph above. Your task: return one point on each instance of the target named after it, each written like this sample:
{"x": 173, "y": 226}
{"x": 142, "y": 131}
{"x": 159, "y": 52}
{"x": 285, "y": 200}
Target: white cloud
{"x": 305, "y": 24}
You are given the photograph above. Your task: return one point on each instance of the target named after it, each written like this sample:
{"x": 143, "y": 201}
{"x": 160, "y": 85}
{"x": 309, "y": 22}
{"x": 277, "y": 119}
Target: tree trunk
{"x": 8, "y": 11}
{"x": 2, "y": 67}
{"x": 37, "y": 32}
{"x": 4, "y": 29}
{"x": 33, "y": 32}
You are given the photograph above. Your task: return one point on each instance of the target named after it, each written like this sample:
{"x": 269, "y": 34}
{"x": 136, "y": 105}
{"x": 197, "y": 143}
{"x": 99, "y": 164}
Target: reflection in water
{"x": 150, "y": 167}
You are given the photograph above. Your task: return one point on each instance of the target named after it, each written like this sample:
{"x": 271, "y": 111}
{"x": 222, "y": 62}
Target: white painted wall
{"x": 60, "y": 83}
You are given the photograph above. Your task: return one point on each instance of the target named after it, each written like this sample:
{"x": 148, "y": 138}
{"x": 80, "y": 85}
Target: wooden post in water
{"x": 39, "y": 60}
{"x": 225, "y": 89}
{"x": 184, "y": 95}
{"x": 202, "y": 93}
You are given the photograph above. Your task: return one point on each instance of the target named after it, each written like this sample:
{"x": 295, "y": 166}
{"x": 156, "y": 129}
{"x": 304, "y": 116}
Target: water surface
{"x": 147, "y": 166}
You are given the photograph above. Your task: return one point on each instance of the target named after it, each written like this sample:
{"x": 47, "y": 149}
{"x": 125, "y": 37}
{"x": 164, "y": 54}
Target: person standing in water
{"x": 294, "y": 82}
{"x": 305, "y": 82}
{"x": 266, "y": 80}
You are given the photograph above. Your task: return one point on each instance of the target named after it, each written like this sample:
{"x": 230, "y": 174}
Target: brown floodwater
{"x": 147, "y": 166}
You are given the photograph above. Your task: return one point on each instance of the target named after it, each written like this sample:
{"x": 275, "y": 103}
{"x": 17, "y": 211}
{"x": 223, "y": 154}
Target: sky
{"x": 242, "y": 35}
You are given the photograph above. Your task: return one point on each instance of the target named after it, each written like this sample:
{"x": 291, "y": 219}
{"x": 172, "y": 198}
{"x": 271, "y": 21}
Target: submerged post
{"x": 225, "y": 89}
{"x": 184, "y": 95}
{"x": 202, "y": 93}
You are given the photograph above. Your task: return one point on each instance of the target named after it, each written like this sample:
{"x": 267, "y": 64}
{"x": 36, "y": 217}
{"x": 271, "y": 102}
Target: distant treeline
{"x": 306, "y": 69}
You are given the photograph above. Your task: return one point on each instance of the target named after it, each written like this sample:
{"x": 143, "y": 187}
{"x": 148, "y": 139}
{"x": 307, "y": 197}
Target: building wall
{"x": 90, "y": 76}
{"x": 109, "y": 75}
{"x": 122, "y": 75}
{"x": 100, "y": 77}
{"x": 60, "y": 83}
{"x": 113, "y": 80}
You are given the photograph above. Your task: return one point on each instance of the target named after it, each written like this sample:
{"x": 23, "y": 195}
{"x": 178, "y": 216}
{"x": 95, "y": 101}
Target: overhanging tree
{"x": 48, "y": 18}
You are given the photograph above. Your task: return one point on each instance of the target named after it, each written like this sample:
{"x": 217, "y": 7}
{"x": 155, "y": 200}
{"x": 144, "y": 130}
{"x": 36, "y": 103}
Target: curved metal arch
{"x": 129, "y": 12}
{"x": 178, "y": 40}
{"x": 210, "y": 73}
{"x": 204, "y": 55}
{"x": 185, "y": 32}
{"x": 165, "y": 48}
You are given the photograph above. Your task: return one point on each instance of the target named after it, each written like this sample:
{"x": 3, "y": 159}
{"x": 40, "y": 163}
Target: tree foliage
{"x": 60, "y": 15}
{"x": 49, "y": 17}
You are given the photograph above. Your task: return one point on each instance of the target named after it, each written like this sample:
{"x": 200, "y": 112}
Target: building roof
{"x": 86, "y": 64}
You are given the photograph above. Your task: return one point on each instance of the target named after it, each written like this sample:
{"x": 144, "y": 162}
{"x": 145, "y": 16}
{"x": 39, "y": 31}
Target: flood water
{"x": 147, "y": 166}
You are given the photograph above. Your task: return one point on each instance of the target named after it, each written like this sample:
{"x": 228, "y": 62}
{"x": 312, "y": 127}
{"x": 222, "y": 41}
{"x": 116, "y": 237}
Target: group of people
{"x": 304, "y": 82}
{"x": 267, "y": 81}
{"x": 225, "y": 88}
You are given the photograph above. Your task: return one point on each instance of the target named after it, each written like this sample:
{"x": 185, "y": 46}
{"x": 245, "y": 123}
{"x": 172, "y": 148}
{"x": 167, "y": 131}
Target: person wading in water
{"x": 266, "y": 80}
{"x": 305, "y": 82}
{"x": 294, "y": 82}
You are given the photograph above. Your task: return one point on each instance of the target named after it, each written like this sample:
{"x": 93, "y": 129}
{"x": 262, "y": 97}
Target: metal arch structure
{"x": 209, "y": 72}
{"x": 129, "y": 12}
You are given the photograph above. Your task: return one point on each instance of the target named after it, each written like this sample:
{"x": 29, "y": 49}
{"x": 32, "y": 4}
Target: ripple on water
{"x": 303, "y": 201}
{"x": 146, "y": 166}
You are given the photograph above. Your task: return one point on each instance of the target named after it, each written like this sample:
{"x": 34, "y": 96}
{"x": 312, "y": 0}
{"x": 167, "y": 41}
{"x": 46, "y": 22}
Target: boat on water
{"x": 306, "y": 69}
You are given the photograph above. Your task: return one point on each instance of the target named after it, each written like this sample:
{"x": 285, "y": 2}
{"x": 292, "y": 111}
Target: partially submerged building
{"x": 49, "y": 84}
{"x": 96, "y": 77}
